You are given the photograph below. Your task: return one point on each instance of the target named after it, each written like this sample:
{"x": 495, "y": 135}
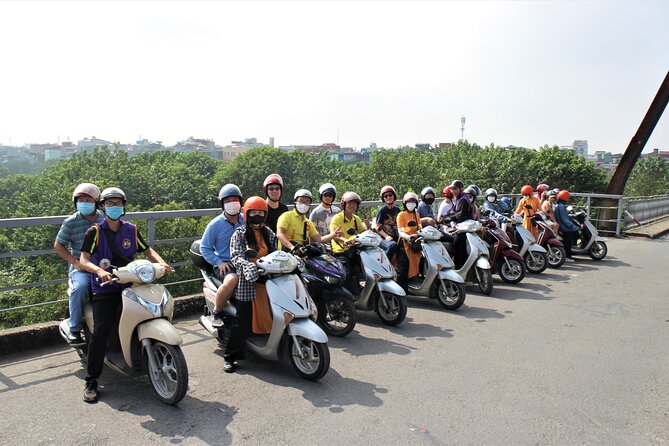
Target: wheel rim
{"x": 597, "y": 249}
{"x": 554, "y": 255}
{"x": 308, "y": 364}
{"x": 449, "y": 293}
{"x": 337, "y": 316}
{"x": 393, "y": 309}
{"x": 167, "y": 377}
{"x": 536, "y": 261}
{"x": 512, "y": 270}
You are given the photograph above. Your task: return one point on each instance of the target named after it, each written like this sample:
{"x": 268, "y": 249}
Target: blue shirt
{"x": 72, "y": 231}
{"x": 215, "y": 245}
{"x": 425, "y": 210}
{"x": 562, "y": 217}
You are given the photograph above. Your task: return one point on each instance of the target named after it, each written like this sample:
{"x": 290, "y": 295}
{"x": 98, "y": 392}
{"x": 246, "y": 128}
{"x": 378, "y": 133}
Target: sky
{"x": 390, "y": 72}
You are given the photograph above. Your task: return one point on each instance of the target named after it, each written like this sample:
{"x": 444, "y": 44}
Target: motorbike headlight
{"x": 145, "y": 272}
{"x": 157, "y": 310}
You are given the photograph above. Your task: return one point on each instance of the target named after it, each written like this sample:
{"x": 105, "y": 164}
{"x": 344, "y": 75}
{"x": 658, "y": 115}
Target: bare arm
{"x": 64, "y": 254}
{"x": 87, "y": 265}
{"x": 155, "y": 257}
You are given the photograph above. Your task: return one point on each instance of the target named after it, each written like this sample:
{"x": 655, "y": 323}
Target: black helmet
{"x": 457, "y": 184}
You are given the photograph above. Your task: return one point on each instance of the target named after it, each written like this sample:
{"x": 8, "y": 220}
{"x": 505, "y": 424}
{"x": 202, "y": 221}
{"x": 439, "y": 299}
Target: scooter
{"x": 380, "y": 292}
{"x": 476, "y": 270}
{"x": 324, "y": 276}
{"x": 145, "y": 340}
{"x": 504, "y": 260}
{"x": 439, "y": 280}
{"x": 294, "y": 314}
{"x": 589, "y": 242}
{"x": 550, "y": 242}
{"x": 535, "y": 256}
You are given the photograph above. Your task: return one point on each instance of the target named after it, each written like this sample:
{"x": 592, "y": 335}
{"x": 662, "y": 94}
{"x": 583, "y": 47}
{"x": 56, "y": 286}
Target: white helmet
{"x": 112, "y": 192}
{"x": 327, "y": 187}
{"x": 303, "y": 193}
{"x": 409, "y": 196}
{"x": 490, "y": 191}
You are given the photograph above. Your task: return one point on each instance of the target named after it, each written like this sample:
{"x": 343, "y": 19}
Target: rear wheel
{"x": 598, "y": 251}
{"x": 170, "y": 380}
{"x": 536, "y": 262}
{"x": 310, "y": 359}
{"x": 393, "y": 311}
{"x": 484, "y": 279}
{"x": 556, "y": 256}
{"x": 511, "y": 270}
{"x": 338, "y": 316}
{"x": 451, "y": 295}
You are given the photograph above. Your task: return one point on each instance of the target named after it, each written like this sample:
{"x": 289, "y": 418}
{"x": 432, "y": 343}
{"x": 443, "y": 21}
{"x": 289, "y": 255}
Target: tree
{"x": 650, "y": 176}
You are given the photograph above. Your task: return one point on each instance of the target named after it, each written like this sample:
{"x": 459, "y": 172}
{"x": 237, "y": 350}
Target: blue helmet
{"x": 229, "y": 190}
{"x": 506, "y": 201}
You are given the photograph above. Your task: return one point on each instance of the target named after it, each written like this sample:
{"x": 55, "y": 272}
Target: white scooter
{"x": 294, "y": 314}
{"x": 439, "y": 280}
{"x": 380, "y": 293}
{"x": 535, "y": 255}
{"x": 477, "y": 269}
{"x": 145, "y": 339}
{"x": 589, "y": 242}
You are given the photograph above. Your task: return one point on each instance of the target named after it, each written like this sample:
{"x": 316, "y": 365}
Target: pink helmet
{"x": 542, "y": 188}
{"x": 387, "y": 188}
{"x": 273, "y": 178}
{"x": 410, "y": 196}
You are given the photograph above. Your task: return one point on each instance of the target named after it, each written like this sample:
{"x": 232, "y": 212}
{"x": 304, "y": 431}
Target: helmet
{"x": 506, "y": 201}
{"x": 457, "y": 184}
{"x": 472, "y": 190}
{"x": 448, "y": 192}
{"x": 542, "y": 188}
{"x": 385, "y": 189}
{"x": 526, "y": 190}
{"x": 409, "y": 196}
{"x": 112, "y": 192}
{"x": 425, "y": 191}
{"x": 327, "y": 187}
{"x": 257, "y": 203}
{"x": 350, "y": 196}
{"x": 88, "y": 189}
{"x": 476, "y": 189}
{"x": 273, "y": 178}
{"x": 556, "y": 190}
{"x": 564, "y": 195}
{"x": 490, "y": 191}
{"x": 229, "y": 190}
{"x": 303, "y": 193}
{"x": 552, "y": 193}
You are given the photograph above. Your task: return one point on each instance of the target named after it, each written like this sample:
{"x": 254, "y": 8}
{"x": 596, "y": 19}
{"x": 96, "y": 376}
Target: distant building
{"x": 88, "y": 144}
{"x": 657, "y": 153}
{"x": 144, "y": 145}
{"x": 445, "y": 145}
{"x": 424, "y": 146}
{"x": 230, "y": 152}
{"x": 580, "y": 147}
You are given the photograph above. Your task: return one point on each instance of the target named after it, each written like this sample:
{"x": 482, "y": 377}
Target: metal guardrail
{"x": 645, "y": 209}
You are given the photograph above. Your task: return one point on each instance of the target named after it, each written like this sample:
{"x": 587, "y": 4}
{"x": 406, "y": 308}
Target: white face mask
{"x": 232, "y": 207}
{"x": 302, "y": 208}
{"x": 411, "y": 206}
{"x": 491, "y": 198}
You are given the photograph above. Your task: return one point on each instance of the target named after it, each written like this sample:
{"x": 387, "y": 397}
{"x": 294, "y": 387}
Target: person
{"x": 472, "y": 192}
{"x": 215, "y": 247}
{"x": 427, "y": 196}
{"x": 409, "y": 254}
{"x": 446, "y": 205}
{"x": 507, "y": 202}
{"x": 323, "y": 213}
{"x": 461, "y": 212}
{"x": 385, "y": 221}
{"x": 293, "y": 227}
{"x": 251, "y": 299}
{"x": 67, "y": 245}
{"x": 349, "y": 225}
{"x": 492, "y": 204}
{"x": 547, "y": 208}
{"x": 273, "y": 188}
{"x": 119, "y": 241}
{"x": 542, "y": 191}
{"x": 528, "y": 206}
{"x": 567, "y": 226}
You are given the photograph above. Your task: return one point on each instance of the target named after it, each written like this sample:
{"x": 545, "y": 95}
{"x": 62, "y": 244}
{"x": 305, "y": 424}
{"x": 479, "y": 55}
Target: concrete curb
{"x": 30, "y": 337}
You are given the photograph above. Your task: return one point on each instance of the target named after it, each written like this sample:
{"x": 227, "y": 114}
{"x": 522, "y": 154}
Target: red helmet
{"x": 448, "y": 192}
{"x": 542, "y": 188}
{"x": 526, "y": 190}
{"x": 273, "y": 178}
{"x": 564, "y": 195}
{"x": 257, "y": 203}
{"x": 387, "y": 188}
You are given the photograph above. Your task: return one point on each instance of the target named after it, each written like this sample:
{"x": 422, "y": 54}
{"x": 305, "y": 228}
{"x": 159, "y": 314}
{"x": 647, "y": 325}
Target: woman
{"x": 252, "y": 303}
{"x": 528, "y": 206}
{"x": 547, "y": 207}
{"x": 408, "y": 224}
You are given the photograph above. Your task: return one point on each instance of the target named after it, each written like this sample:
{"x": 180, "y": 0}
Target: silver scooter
{"x": 380, "y": 293}
{"x": 439, "y": 280}
{"x": 294, "y": 315}
{"x": 477, "y": 269}
{"x": 589, "y": 242}
{"x": 535, "y": 255}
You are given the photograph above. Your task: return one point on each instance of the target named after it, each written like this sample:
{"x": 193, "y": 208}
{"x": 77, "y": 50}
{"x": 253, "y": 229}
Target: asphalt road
{"x": 576, "y": 355}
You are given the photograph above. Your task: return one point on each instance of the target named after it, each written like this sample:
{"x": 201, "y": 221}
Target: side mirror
{"x": 105, "y": 264}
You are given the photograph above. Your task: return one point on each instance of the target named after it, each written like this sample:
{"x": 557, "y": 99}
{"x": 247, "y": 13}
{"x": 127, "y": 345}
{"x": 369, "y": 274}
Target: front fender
{"x": 449, "y": 274}
{"x": 600, "y": 239}
{"x": 390, "y": 286}
{"x": 308, "y": 329}
{"x": 483, "y": 263}
{"x": 534, "y": 247}
{"x": 160, "y": 330}
{"x": 512, "y": 254}
{"x": 554, "y": 241}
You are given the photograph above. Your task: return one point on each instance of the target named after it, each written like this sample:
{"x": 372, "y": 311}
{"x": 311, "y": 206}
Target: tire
{"x": 338, "y": 317}
{"x": 171, "y": 382}
{"x": 396, "y": 311}
{"x": 598, "y": 251}
{"x": 536, "y": 262}
{"x": 317, "y": 361}
{"x": 451, "y": 295}
{"x": 556, "y": 256}
{"x": 514, "y": 272}
{"x": 484, "y": 279}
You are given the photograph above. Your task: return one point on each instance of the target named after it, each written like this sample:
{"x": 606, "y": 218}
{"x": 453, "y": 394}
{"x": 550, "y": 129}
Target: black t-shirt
{"x": 274, "y": 214}
{"x": 89, "y": 238}
{"x": 387, "y": 217}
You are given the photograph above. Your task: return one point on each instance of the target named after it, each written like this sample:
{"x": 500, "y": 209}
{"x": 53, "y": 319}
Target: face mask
{"x": 114, "y": 212}
{"x": 256, "y": 220}
{"x": 85, "y": 208}
{"x": 411, "y": 206}
{"x": 491, "y": 198}
{"x": 429, "y": 201}
{"x": 302, "y": 208}
{"x": 232, "y": 207}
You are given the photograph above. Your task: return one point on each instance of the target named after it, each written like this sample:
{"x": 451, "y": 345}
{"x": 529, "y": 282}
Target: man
{"x": 386, "y": 221}
{"x": 427, "y": 196}
{"x": 350, "y": 225}
{"x": 67, "y": 246}
{"x": 461, "y": 212}
{"x": 324, "y": 212}
{"x": 215, "y": 247}
{"x": 273, "y": 188}
{"x": 118, "y": 241}
{"x": 568, "y": 228}
{"x": 293, "y": 227}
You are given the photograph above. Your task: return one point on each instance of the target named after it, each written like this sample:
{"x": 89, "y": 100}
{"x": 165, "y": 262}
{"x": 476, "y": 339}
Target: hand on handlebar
{"x": 298, "y": 250}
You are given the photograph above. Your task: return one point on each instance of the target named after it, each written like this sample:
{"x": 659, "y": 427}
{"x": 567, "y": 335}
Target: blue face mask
{"x": 114, "y": 212}
{"x": 85, "y": 208}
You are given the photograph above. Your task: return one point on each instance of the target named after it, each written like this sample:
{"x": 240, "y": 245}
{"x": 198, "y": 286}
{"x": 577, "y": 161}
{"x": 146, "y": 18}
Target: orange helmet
{"x": 257, "y": 203}
{"x": 526, "y": 190}
{"x": 564, "y": 195}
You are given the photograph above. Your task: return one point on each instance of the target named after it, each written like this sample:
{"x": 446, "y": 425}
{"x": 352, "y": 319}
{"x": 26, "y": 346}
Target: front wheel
{"x": 169, "y": 380}
{"x": 338, "y": 316}
{"x": 598, "y": 251}
{"x": 451, "y": 295}
{"x": 511, "y": 270}
{"x": 556, "y": 256}
{"x": 310, "y": 359}
{"x": 536, "y": 262}
{"x": 484, "y": 279}
{"x": 391, "y": 308}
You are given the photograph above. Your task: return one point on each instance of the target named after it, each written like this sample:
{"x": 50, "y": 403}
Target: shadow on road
{"x": 357, "y": 345}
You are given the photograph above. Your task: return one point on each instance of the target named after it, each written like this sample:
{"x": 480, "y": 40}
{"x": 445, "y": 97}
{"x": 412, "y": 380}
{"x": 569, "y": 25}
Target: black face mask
{"x": 429, "y": 201}
{"x": 257, "y": 220}
{"x": 412, "y": 223}
{"x": 350, "y": 231}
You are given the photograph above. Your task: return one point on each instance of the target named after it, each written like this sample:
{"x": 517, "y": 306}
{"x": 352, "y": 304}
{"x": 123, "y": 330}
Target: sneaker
{"x": 91, "y": 391}
{"x": 569, "y": 260}
{"x": 74, "y": 338}
{"x": 216, "y": 319}
{"x": 229, "y": 367}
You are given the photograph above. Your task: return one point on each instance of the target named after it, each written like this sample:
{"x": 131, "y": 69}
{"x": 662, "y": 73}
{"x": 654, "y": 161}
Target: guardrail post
{"x": 152, "y": 231}
{"x": 620, "y": 214}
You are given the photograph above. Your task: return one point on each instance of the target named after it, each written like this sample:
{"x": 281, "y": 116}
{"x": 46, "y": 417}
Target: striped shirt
{"x": 72, "y": 231}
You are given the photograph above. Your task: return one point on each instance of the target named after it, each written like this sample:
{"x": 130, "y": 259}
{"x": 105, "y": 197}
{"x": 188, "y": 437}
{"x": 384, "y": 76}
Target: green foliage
{"x": 650, "y": 176}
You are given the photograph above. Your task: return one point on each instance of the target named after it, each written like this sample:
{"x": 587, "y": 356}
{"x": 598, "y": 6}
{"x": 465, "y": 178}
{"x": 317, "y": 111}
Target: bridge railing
{"x": 645, "y": 209}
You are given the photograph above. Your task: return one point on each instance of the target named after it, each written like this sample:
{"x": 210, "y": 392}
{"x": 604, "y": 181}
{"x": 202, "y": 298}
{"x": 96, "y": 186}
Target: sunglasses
{"x": 388, "y": 196}
{"x": 273, "y": 188}
{"x": 328, "y": 194}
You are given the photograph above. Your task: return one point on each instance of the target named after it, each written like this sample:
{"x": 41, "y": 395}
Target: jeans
{"x": 390, "y": 248}
{"x": 79, "y": 290}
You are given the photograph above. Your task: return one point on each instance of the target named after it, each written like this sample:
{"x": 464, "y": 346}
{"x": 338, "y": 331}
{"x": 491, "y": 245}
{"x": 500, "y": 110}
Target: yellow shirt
{"x": 340, "y": 221}
{"x": 294, "y": 224}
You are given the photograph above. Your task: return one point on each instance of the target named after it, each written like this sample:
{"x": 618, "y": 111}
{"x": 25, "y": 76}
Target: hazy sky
{"x": 393, "y": 73}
